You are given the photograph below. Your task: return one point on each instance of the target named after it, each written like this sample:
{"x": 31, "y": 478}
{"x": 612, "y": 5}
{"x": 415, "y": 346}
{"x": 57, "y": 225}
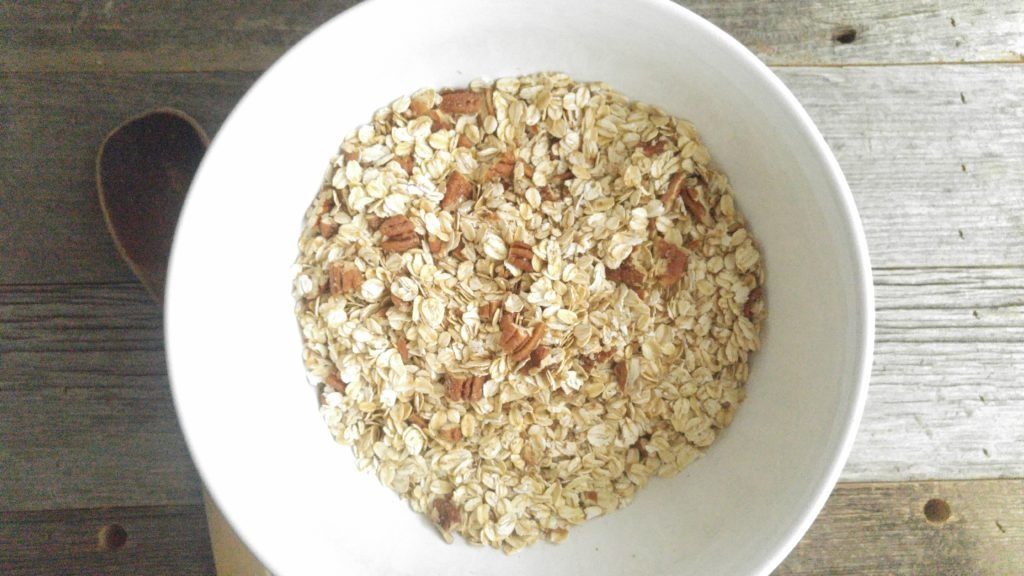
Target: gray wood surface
{"x": 921, "y": 102}
{"x": 882, "y": 530}
{"x": 162, "y": 541}
{"x": 866, "y": 529}
{"x": 180, "y": 36}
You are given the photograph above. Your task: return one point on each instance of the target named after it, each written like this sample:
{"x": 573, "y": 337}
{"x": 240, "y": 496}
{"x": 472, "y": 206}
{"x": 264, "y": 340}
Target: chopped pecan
{"x": 399, "y": 234}
{"x": 537, "y": 356}
{"x": 406, "y": 163}
{"x": 675, "y": 185}
{"x": 456, "y": 190}
{"x": 458, "y": 253}
{"x": 435, "y": 244}
{"x": 516, "y": 344}
{"x": 676, "y": 266}
{"x": 532, "y": 129}
{"x": 503, "y": 168}
{"x": 437, "y": 122}
{"x": 692, "y": 202}
{"x": 463, "y": 142}
{"x": 511, "y": 337}
{"x": 461, "y": 102}
{"x": 621, "y": 372}
{"x": 327, "y": 226}
{"x": 627, "y": 274}
{"x": 451, "y": 433}
{"x": 487, "y": 310}
{"x": 453, "y": 387}
{"x": 351, "y": 279}
{"x": 350, "y": 156}
{"x": 476, "y": 388}
{"x": 604, "y": 356}
{"x": 748, "y": 308}
{"x": 335, "y": 382}
{"x": 403, "y": 348}
{"x": 590, "y": 495}
{"x": 336, "y": 278}
{"x": 520, "y": 255}
{"x": 418, "y": 420}
{"x": 653, "y": 147}
{"x": 447, "y": 513}
{"x": 458, "y": 388}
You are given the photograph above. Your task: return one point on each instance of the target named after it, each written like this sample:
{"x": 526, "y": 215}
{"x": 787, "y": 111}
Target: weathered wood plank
{"x": 216, "y": 36}
{"x": 161, "y": 540}
{"x": 934, "y": 156}
{"x": 882, "y": 529}
{"x": 83, "y": 378}
{"x": 865, "y": 529}
{"x": 88, "y": 419}
{"x": 939, "y": 180}
{"x": 51, "y": 227}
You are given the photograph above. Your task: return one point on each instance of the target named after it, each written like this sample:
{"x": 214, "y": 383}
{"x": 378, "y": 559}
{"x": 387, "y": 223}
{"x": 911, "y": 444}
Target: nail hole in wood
{"x": 844, "y": 35}
{"x": 112, "y": 537}
{"x": 937, "y": 510}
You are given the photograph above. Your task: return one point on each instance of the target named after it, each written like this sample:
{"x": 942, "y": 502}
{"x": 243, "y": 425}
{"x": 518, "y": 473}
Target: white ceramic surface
{"x": 233, "y": 346}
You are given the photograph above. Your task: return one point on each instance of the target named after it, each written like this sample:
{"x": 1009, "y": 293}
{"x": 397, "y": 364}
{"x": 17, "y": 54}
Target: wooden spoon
{"x": 143, "y": 172}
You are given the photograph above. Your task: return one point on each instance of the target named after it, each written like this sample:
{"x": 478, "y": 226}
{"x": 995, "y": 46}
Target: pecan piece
{"x": 435, "y": 244}
{"x": 456, "y": 190}
{"x": 653, "y": 147}
{"x": 672, "y": 192}
{"x": 463, "y": 142}
{"x": 502, "y": 169}
{"x": 453, "y": 387}
{"x": 748, "y": 308}
{"x": 528, "y": 344}
{"x": 406, "y": 163}
{"x": 511, "y": 337}
{"x": 621, "y": 370}
{"x": 520, "y": 255}
{"x": 399, "y": 234}
{"x": 693, "y": 205}
{"x": 461, "y": 102}
{"x": 626, "y": 274}
{"x": 487, "y": 310}
{"x": 475, "y": 387}
{"x": 447, "y": 513}
{"x": 418, "y": 420}
{"x": 676, "y": 266}
{"x": 334, "y": 278}
{"x": 437, "y": 122}
{"x": 327, "y": 227}
{"x": 537, "y": 356}
{"x": 335, "y": 382}
{"x": 451, "y": 433}
{"x": 403, "y": 348}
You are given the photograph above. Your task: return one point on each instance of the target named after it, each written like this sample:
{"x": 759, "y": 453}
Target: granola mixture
{"x": 524, "y": 300}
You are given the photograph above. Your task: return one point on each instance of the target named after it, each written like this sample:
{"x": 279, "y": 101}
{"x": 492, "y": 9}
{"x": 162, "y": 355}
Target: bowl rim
{"x": 863, "y": 320}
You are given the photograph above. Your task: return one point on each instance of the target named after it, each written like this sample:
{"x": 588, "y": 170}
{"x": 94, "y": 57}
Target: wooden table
{"x": 922, "y": 103}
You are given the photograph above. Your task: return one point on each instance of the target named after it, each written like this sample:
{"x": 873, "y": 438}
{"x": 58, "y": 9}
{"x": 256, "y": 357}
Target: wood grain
{"x": 934, "y": 156}
{"x": 882, "y": 530}
{"x": 865, "y": 529}
{"x": 939, "y": 180}
{"x": 162, "y": 541}
{"x": 51, "y": 227}
{"x": 87, "y": 413}
{"x": 184, "y": 36}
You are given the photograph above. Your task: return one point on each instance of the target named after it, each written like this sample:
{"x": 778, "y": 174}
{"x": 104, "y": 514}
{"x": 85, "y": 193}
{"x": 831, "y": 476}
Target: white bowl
{"x": 233, "y": 345}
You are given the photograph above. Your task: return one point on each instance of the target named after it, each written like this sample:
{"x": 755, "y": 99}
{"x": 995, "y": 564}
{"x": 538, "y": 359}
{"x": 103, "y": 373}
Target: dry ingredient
{"x": 525, "y": 299}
